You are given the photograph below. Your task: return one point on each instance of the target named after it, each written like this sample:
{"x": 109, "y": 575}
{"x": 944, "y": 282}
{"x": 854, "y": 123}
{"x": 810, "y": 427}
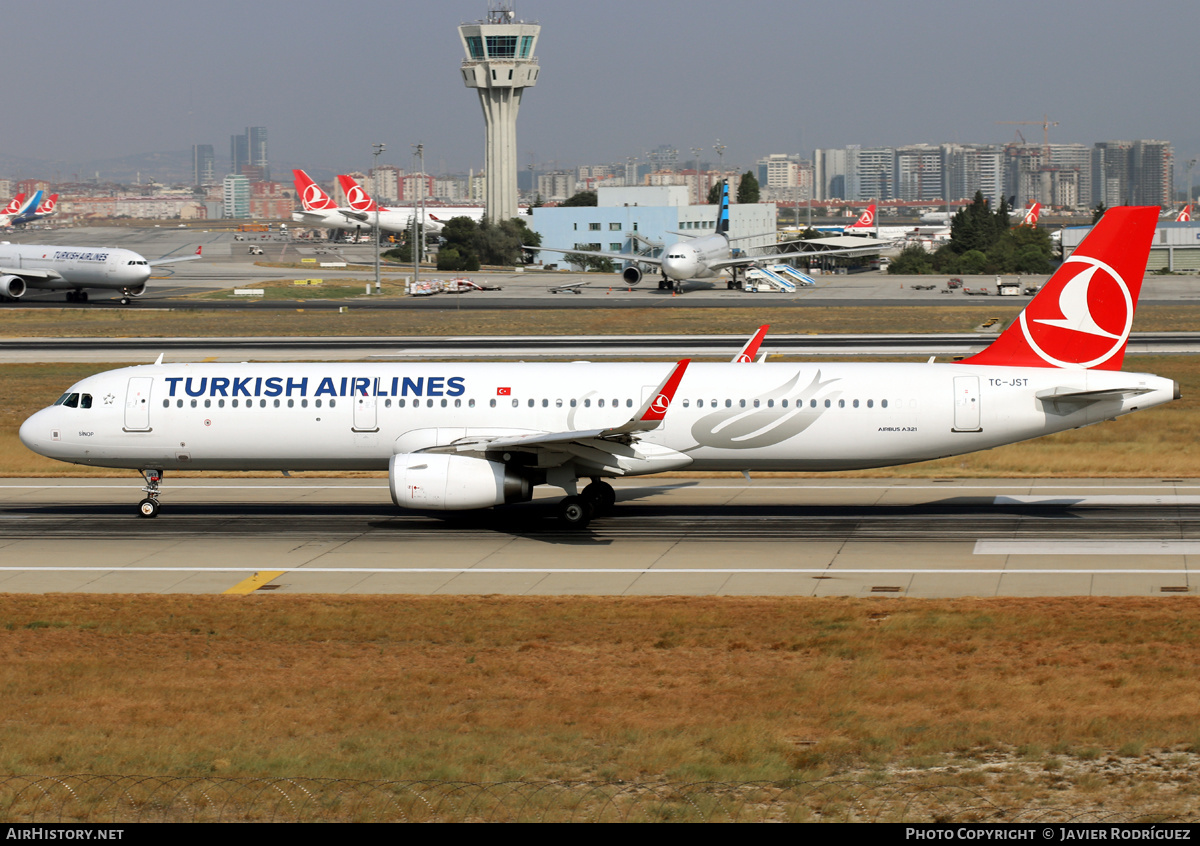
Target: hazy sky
{"x": 94, "y": 80}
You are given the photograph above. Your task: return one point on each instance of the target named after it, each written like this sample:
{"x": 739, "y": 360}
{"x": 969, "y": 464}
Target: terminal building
{"x": 1176, "y": 246}
{"x": 645, "y": 219}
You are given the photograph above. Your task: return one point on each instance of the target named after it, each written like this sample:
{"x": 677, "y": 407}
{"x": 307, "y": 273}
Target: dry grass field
{"x": 1072, "y": 701}
{"x": 657, "y": 317}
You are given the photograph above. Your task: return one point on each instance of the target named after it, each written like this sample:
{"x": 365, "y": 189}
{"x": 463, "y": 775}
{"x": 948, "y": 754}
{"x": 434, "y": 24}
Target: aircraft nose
{"x": 33, "y": 431}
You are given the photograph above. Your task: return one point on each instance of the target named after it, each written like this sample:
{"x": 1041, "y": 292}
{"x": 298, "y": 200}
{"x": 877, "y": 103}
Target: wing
{"x": 619, "y": 256}
{"x": 176, "y": 259}
{"x": 615, "y": 450}
{"x": 33, "y": 278}
{"x": 754, "y": 260}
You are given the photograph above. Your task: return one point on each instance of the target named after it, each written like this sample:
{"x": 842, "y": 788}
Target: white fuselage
{"x": 685, "y": 260}
{"x": 809, "y": 416}
{"x": 59, "y": 268}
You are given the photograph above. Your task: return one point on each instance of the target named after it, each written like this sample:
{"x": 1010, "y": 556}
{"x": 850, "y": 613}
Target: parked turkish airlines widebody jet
{"x": 468, "y": 436}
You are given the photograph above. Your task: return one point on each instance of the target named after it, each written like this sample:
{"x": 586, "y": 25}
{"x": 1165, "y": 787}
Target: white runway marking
{"x": 891, "y": 571}
{"x": 1087, "y": 547}
{"x": 1097, "y": 499}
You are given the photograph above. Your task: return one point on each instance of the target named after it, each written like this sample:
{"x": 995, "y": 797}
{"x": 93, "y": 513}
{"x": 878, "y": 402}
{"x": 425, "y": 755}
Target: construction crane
{"x": 1045, "y": 123}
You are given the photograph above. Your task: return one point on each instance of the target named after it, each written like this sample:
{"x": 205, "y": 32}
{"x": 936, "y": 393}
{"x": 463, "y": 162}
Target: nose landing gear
{"x": 148, "y": 507}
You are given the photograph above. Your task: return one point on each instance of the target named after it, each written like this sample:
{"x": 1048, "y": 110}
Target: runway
{"x": 826, "y": 537}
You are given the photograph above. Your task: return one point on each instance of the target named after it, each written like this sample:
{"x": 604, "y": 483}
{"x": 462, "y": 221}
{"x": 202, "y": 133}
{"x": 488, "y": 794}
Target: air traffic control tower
{"x": 500, "y": 65}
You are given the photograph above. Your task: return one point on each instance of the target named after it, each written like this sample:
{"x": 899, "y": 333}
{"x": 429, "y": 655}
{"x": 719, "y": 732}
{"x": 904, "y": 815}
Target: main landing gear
{"x": 575, "y": 512}
{"x": 148, "y": 507}
{"x": 77, "y": 296}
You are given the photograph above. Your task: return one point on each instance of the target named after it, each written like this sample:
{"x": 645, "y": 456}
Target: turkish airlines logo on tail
{"x": 1185, "y": 216}
{"x": 1032, "y": 214}
{"x": 358, "y": 199}
{"x": 315, "y": 199}
{"x": 1088, "y": 324}
{"x": 48, "y": 206}
{"x": 14, "y": 206}
{"x": 661, "y": 403}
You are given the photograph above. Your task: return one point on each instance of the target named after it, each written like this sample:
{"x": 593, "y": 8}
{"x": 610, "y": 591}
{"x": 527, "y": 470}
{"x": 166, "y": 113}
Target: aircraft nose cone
{"x": 31, "y": 432}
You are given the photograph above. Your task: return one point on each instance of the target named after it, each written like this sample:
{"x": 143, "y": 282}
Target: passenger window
{"x": 870, "y": 403}
{"x": 276, "y": 403}
{"x": 516, "y": 403}
{"x": 445, "y": 403}
{"x": 304, "y": 403}
{"x": 399, "y": 403}
{"x": 221, "y": 403}
{"x": 194, "y": 403}
{"x": 545, "y": 403}
{"x": 166, "y": 403}
{"x": 856, "y": 403}
{"x": 600, "y": 404}
{"x": 208, "y": 403}
{"x": 491, "y": 403}
{"x": 179, "y": 403}
{"x": 234, "y": 403}
{"x": 841, "y": 403}
{"x": 332, "y": 403}
{"x": 316, "y": 403}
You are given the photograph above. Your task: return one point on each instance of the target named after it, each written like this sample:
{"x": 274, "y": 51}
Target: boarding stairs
{"x": 781, "y": 278}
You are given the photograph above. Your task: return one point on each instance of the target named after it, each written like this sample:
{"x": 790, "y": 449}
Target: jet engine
{"x": 12, "y": 287}
{"x": 453, "y": 482}
{"x": 632, "y": 275}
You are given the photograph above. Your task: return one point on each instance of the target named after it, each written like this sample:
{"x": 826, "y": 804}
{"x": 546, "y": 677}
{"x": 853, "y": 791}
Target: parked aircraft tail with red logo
{"x": 48, "y": 205}
{"x": 310, "y": 193}
{"x": 865, "y": 221}
{"x": 356, "y": 196}
{"x": 1082, "y": 317}
{"x": 1185, "y": 216}
{"x": 14, "y": 205}
{"x": 1031, "y": 214}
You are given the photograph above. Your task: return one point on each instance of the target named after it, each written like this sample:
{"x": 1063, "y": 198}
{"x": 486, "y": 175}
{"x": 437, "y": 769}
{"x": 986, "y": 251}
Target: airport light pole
{"x": 379, "y": 148}
{"x": 1191, "y": 164}
{"x": 696, "y": 154}
{"x": 720, "y": 148}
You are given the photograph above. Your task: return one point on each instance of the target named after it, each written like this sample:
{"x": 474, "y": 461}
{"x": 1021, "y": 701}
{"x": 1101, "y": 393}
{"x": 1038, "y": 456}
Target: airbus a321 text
{"x": 468, "y": 436}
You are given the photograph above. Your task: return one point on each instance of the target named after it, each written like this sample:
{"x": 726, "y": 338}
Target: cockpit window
{"x": 69, "y": 400}
{"x": 85, "y": 400}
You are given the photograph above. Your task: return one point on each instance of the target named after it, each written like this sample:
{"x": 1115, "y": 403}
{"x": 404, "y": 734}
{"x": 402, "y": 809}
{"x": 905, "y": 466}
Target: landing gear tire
{"x": 125, "y": 300}
{"x": 148, "y": 508}
{"x": 575, "y": 512}
{"x": 601, "y": 495}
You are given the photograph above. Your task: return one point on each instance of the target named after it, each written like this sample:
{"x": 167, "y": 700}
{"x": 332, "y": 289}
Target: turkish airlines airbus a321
{"x": 469, "y": 436}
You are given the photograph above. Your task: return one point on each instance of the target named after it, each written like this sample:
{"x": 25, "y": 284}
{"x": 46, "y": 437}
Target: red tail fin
{"x": 15, "y": 205}
{"x": 1185, "y": 216}
{"x": 1031, "y": 214}
{"x": 866, "y": 221}
{"x": 310, "y": 193}
{"x": 356, "y": 196}
{"x": 1082, "y": 317}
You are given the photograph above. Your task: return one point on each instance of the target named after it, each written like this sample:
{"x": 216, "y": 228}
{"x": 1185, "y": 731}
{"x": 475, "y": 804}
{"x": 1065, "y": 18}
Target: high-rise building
{"x": 1152, "y": 165}
{"x": 969, "y": 168}
{"x": 236, "y": 196}
{"x": 500, "y": 65}
{"x": 918, "y": 173}
{"x": 870, "y": 173}
{"x": 249, "y": 150}
{"x": 203, "y": 165}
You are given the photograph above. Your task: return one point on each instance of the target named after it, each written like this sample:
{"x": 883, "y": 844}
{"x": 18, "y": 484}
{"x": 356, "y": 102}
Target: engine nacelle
{"x": 440, "y": 482}
{"x": 12, "y": 287}
{"x": 134, "y": 291}
{"x": 632, "y": 275}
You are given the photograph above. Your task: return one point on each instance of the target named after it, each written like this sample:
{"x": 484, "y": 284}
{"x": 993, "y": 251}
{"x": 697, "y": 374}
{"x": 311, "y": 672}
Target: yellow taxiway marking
{"x": 256, "y": 581}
